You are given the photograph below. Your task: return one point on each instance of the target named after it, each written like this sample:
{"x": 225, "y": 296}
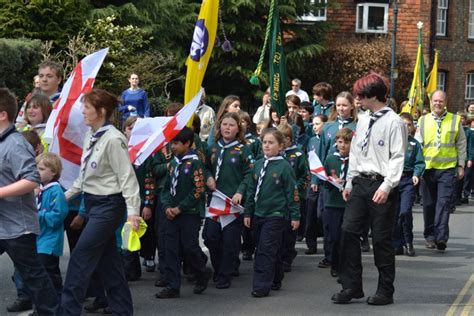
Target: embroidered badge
{"x": 93, "y": 165}
{"x": 381, "y": 142}
{"x": 123, "y": 145}
{"x": 233, "y": 160}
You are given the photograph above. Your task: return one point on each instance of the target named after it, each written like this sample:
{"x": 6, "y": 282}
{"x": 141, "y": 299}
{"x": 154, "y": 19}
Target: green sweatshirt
{"x": 334, "y": 197}
{"x": 146, "y": 182}
{"x": 255, "y": 145}
{"x": 235, "y": 170}
{"x": 189, "y": 189}
{"x": 414, "y": 160}
{"x": 298, "y": 161}
{"x": 278, "y": 195}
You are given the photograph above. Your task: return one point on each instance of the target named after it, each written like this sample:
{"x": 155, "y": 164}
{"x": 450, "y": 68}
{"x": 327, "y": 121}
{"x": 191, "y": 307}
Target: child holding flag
{"x": 272, "y": 199}
{"x": 335, "y": 166}
{"x": 229, "y": 163}
{"x": 183, "y": 201}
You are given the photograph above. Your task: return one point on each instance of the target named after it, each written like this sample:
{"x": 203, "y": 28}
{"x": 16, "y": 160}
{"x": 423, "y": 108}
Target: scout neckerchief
{"x": 292, "y": 147}
{"x": 343, "y": 164}
{"x": 174, "y": 179}
{"x": 373, "y": 118}
{"x": 262, "y": 173}
{"x": 97, "y": 135}
{"x": 40, "y": 193}
{"x": 343, "y": 122}
{"x": 223, "y": 146}
{"x": 438, "y": 121}
{"x": 327, "y": 106}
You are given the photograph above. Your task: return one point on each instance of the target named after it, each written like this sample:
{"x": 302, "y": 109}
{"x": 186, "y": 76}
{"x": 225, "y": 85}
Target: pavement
{"x": 431, "y": 283}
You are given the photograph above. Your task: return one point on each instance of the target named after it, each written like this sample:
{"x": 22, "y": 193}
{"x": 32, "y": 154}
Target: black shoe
{"x": 334, "y": 273}
{"x": 346, "y": 295}
{"x": 430, "y": 244}
{"x": 441, "y": 245}
{"x": 324, "y": 264}
{"x": 365, "y": 246}
{"x": 276, "y": 286}
{"x": 35, "y": 313}
{"x": 453, "y": 209}
{"x": 19, "y": 305}
{"x": 235, "y": 273}
{"x": 223, "y": 285}
{"x": 97, "y": 304}
{"x": 201, "y": 284}
{"x": 299, "y": 238}
{"x": 259, "y": 294}
{"x": 409, "y": 250}
{"x": 458, "y": 203}
{"x": 167, "y": 292}
{"x": 465, "y": 200}
{"x": 399, "y": 251}
{"x": 191, "y": 277}
{"x": 161, "y": 283}
{"x": 378, "y": 299}
{"x": 215, "y": 277}
{"x": 311, "y": 251}
{"x": 247, "y": 256}
{"x": 107, "y": 311}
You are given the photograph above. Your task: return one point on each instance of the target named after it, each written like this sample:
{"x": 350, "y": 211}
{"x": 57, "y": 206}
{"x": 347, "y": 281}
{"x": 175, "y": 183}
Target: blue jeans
{"x": 22, "y": 251}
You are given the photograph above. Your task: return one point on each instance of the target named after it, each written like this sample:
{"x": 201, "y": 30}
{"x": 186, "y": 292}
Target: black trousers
{"x": 359, "y": 211}
{"x": 97, "y": 249}
{"x": 268, "y": 266}
{"x": 313, "y": 222}
{"x": 182, "y": 233}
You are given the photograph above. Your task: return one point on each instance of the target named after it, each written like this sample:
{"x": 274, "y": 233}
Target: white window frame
{"x": 469, "y": 95}
{"x": 442, "y": 18}
{"x": 365, "y": 6}
{"x": 470, "y": 33}
{"x": 321, "y": 14}
{"x": 441, "y": 81}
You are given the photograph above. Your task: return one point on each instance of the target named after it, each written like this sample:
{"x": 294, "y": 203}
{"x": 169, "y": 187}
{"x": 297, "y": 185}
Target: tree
{"x": 19, "y": 59}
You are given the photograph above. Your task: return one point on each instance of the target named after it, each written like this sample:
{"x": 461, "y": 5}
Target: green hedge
{"x": 19, "y": 59}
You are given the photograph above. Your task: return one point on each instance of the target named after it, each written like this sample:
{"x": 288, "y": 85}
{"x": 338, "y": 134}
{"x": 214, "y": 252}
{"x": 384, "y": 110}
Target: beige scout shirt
{"x": 385, "y": 152}
{"x": 109, "y": 171}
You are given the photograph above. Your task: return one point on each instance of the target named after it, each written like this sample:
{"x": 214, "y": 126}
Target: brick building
{"x": 448, "y": 27}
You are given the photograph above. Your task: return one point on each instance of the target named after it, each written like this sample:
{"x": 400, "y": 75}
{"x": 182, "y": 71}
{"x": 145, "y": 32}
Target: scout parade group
{"x": 258, "y": 167}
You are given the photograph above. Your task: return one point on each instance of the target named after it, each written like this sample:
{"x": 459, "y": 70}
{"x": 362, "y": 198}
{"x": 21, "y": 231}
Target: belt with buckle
{"x": 371, "y": 176}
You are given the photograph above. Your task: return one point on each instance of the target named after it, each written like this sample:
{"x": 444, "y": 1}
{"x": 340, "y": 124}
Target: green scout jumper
{"x": 235, "y": 170}
{"x": 146, "y": 182}
{"x": 328, "y": 138}
{"x": 278, "y": 194}
{"x": 414, "y": 160}
{"x": 298, "y": 161}
{"x": 190, "y": 188}
{"x": 332, "y": 165}
{"x": 255, "y": 145}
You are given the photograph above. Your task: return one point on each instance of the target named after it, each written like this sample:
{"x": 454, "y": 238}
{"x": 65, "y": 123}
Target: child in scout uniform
{"x": 412, "y": 171}
{"x": 228, "y": 163}
{"x": 306, "y": 112}
{"x": 52, "y": 210}
{"x": 298, "y": 161}
{"x": 253, "y": 142}
{"x": 273, "y": 199}
{"x": 313, "y": 225}
{"x": 183, "y": 200}
{"x": 335, "y": 166}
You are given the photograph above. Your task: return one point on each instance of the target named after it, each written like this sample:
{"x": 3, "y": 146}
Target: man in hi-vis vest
{"x": 444, "y": 148}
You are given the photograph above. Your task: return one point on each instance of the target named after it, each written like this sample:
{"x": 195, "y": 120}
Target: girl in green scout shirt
{"x": 298, "y": 161}
{"x": 412, "y": 171}
{"x": 272, "y": 199}
{"x": 253, "y": 142}
{"x": 229, "y": 163}
{"x": 336, "y": 166}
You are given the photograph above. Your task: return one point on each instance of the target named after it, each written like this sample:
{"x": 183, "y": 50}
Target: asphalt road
{"x": 430, "y": 283}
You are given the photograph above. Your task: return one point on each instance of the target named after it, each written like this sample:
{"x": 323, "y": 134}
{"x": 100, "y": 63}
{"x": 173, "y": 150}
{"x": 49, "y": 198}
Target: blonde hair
{"x": 52, "y": 162}
{"x": 286, "y": 130}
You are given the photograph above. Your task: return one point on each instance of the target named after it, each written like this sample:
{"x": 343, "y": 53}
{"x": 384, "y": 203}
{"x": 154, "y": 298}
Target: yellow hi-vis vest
{"x": 443, "y": 154}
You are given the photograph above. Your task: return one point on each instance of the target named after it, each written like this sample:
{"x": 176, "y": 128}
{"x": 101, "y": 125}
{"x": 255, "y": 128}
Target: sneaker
{"x": 167, "y": 292}
{"x": 19, "y": 305}
{"x": 149, "y": 265}
{"x": 324, "y": 264}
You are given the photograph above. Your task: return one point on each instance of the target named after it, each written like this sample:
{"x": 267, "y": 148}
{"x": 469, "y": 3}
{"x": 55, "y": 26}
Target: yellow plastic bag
{"x": 131, "y": 238}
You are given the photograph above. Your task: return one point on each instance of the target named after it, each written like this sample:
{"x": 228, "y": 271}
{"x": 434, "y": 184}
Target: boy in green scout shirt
{"x": 336, "y": 166}
{"x": 253, "y": 142}
{"x": 272, "y": 199}
{"x": 183, "y": 200}
{"x": 412, "y": 171}
{"x": 298, "y": 161}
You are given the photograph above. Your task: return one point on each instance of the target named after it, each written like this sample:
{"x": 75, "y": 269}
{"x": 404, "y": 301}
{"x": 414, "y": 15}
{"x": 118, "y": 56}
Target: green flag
{"x": 277, "y": 63}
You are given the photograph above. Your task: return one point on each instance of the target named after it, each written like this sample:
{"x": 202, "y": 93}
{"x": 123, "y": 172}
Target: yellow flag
{"x": 416, "y": 95}
{"x": 202, "y": 44}
{"x": 433, "y": 76}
